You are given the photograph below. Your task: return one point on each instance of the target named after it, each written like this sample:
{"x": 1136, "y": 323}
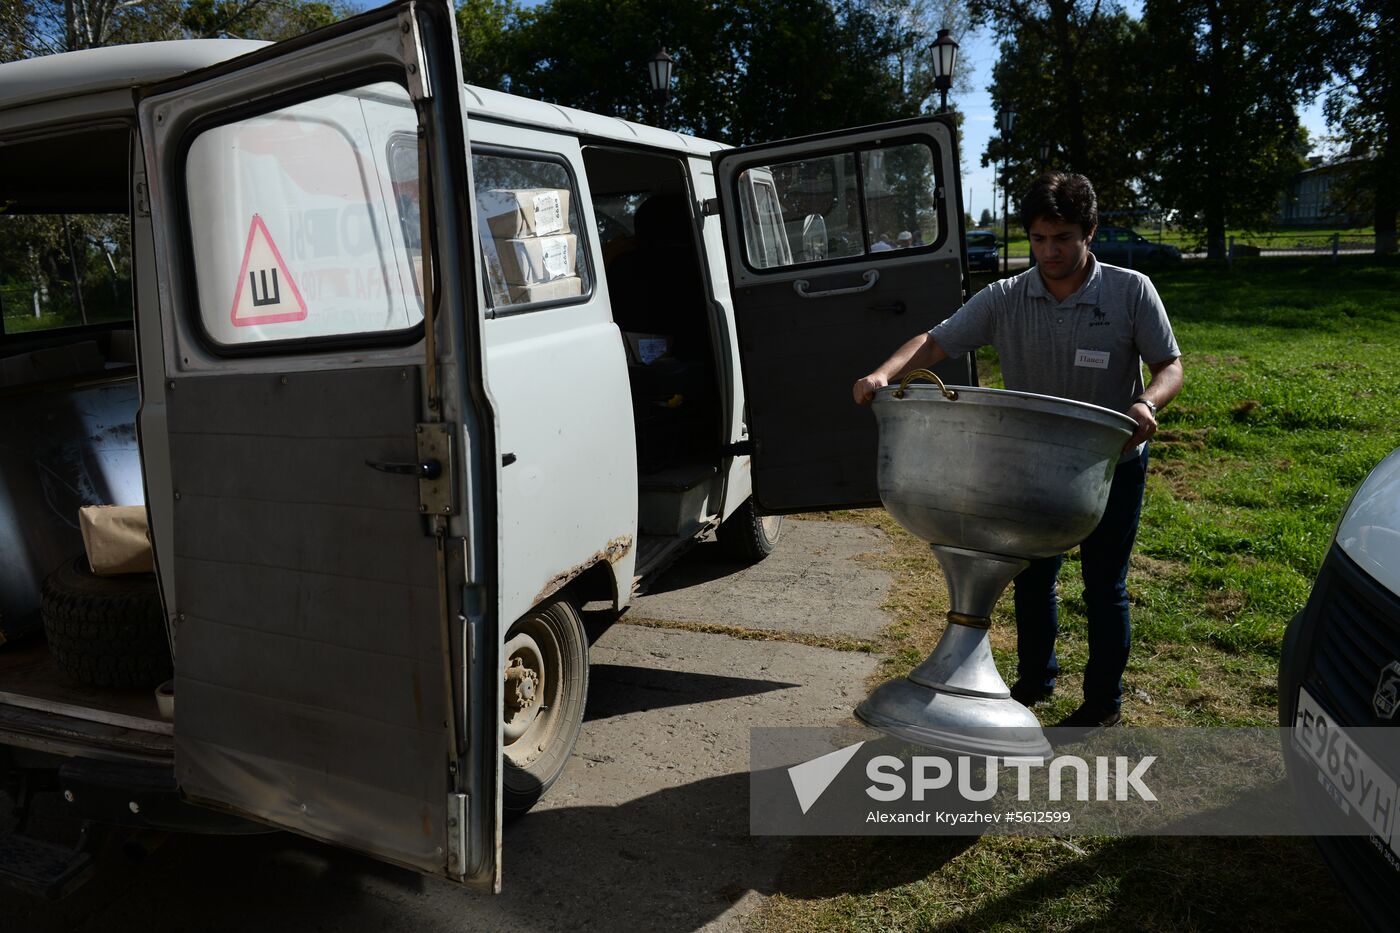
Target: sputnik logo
{"x": 811, "y": 778}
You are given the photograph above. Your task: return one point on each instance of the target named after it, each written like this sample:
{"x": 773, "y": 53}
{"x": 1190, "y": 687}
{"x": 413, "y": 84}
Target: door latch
{"x": 437, "y": 486}
{"x": 433, "y": 469}
{"x": 423, "y": 469}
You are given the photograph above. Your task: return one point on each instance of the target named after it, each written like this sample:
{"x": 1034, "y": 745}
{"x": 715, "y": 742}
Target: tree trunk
{"x": 1386, "y": 208}
{"x": 1215, "y": 233}
{"x": 1217, "y": 124}
{"x": 1071, "y": 102}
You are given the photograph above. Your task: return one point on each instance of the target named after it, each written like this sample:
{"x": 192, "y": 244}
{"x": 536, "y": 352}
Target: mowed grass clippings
{"x": 1292, "y": 381}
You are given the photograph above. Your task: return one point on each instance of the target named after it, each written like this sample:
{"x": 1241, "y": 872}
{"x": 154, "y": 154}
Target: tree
{"x": 986, "y": 219}
{"x": 50, "y": 26}
{"x": 1222, "y": 131}
{"x": 484, "y": 32}
{"x": 1070, "y": 71}
{"x": 1363, "y": 50}
{"x": 747, "y": 70}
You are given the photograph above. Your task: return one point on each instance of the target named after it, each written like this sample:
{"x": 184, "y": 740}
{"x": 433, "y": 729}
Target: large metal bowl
{"x": 1008, "y": 473}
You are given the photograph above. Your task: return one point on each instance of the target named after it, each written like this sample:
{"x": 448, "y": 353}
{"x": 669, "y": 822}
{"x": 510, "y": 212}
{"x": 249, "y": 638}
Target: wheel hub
{"x": 524, "y": 686}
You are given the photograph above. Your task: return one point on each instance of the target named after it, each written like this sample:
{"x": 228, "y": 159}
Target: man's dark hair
{"x": 1063, "y": 197}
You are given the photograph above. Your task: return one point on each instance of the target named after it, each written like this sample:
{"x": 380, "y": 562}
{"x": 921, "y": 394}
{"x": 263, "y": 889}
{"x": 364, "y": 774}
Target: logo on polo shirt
{"x": 1100, "y": 319}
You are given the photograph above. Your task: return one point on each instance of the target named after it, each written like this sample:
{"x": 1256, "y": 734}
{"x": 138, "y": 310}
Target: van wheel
{"x": 545, "y": 663}
{"x": 749, "y": 536}
{"x": 105, "y": 631}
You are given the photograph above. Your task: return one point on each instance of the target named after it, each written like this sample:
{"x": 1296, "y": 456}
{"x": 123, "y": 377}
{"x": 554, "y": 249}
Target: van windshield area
{"x": 62, "y": 270}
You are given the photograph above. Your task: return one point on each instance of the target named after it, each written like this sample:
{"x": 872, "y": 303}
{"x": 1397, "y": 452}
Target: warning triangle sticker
{"x": 266, "y": 292}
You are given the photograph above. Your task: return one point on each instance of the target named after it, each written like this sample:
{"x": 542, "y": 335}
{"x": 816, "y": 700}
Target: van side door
{"x": 840, "y": 248}
{"x": 320, "y": 450}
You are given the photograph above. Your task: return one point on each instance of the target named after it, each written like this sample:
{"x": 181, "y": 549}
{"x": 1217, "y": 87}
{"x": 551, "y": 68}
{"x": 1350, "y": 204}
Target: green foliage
{"x": 49, "y": 26}
{"x": 1072, "y": 73}
{"x": 484, "y": 32}
{"x": 1222, "y": 138}
{"x": 76, "y": 268}
{"x": 746, "y": 71}
{"x": 1361, "y": 40}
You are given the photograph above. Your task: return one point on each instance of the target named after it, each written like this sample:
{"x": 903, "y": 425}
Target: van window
{"x": 532, "y": 250}
{"x": 63, "y": 270}
{"x": 839, "y": 205}
{"x": 301, "y": 227}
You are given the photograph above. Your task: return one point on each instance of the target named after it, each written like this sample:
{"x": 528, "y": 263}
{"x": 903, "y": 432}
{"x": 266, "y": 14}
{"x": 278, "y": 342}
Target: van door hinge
{"x": 457, "y": 835}
{"x": 437, "y": 487}
{"x": 415, "y": 63}
{"x": 143, "y": 200}
{"x": 742, "y": 448}
{"x": 709, "y": 207}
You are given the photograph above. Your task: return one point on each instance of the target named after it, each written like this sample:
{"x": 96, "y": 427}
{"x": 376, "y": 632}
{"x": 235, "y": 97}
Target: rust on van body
{"x": 616, "y": 549}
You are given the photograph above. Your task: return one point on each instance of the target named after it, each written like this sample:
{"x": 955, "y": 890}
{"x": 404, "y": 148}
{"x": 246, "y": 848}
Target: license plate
{"x": 1348, "y": 774}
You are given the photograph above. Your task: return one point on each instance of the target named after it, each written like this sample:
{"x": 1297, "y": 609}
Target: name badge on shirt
{"x": 1094, "y": 359}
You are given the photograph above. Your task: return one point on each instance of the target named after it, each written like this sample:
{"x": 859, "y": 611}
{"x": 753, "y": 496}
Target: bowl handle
{"x": 950, "y": 394}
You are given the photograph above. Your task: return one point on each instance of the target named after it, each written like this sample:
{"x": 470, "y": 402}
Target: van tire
{"x": 105, "y": 631}
{"x": 539, "y": 736}
{"x": 748, "y": 536}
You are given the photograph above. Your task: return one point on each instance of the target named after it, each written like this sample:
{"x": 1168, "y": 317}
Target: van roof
{"x": 90, "y": 71}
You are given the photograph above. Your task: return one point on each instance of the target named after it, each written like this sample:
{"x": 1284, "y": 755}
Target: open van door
{"x": 319, "y": 451}
{"x": 841, "y": 247}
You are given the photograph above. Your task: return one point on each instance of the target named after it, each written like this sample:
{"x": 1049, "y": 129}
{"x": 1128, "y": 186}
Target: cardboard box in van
{"x": 525, "y": 211}
{"x": 535, "y": 260}
{"x": 568, "y": 287}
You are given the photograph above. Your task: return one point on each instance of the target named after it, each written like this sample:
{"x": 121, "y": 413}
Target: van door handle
{"x": 425, "y": 469}
{"x": 871, "y": 277}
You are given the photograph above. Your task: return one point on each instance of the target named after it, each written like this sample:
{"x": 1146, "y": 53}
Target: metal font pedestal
{"x": 956, "y": 700}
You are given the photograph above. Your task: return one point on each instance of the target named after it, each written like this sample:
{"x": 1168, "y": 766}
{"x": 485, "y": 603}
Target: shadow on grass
{"x": 1140, "y": 884}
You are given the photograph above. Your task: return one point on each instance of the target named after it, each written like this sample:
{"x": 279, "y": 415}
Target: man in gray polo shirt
{"x": 1075, "y": 328}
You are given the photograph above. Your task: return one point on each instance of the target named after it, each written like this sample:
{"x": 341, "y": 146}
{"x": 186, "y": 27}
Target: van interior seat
{"x": 50, "y": 363}
{"x": 656, "y": 287}
{"x": 122, "y": 348}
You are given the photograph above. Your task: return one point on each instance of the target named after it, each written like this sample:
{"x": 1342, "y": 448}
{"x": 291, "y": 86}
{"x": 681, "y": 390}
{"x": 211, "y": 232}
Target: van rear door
{"x": 840, "y": 248}
{"x": 320, "y": 456}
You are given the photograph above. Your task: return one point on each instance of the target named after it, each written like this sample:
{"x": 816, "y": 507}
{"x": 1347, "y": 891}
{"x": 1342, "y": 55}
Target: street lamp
{"x": 1006, "y": 121}
{"x": 1046, "y": 150}
{"x": 945, "y": 56}
{"x": 659, "y": 68}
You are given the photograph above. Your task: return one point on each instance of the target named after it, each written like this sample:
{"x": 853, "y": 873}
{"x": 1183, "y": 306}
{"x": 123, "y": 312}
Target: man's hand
{"x": 919, "y": 352}
{"x": 864, "y": 389}
{"x": 1147, "y": 425}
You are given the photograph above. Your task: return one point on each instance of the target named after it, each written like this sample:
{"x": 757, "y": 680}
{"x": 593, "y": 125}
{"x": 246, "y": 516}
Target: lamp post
{"x": 1006, "y": 121}
{"x": 1047, "y": 149}
{"x": 659, "y": 69}
{"x": 945, "y": 57}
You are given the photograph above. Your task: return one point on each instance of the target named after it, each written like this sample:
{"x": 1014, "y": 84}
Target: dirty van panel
{"x": 840, "y": 248}
{"x": 320, "y": 443}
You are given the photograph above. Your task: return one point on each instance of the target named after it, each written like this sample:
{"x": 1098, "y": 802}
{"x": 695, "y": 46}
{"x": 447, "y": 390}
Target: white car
{"x": 1339, "y": 695}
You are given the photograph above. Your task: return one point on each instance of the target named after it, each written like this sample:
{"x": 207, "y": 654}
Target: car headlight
{"x": 1369, "y": 531}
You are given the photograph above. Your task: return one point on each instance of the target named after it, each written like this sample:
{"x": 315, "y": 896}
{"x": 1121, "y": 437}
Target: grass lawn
{"x": 1292, "y": 376}
{"x": 1187, "y": 242}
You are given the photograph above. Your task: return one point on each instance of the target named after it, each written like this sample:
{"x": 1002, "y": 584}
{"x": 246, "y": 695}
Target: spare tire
{"x": 105, "y": 631}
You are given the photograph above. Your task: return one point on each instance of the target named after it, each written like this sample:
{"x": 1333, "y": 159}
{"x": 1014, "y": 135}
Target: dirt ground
{"x": 648, "y": 827}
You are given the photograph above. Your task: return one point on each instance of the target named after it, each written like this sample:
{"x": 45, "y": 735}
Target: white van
{"x": 404, "y": 373}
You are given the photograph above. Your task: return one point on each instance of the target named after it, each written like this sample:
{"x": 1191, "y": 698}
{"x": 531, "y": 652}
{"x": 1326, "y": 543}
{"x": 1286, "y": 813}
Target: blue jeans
{"x": 1104, "y": 561}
